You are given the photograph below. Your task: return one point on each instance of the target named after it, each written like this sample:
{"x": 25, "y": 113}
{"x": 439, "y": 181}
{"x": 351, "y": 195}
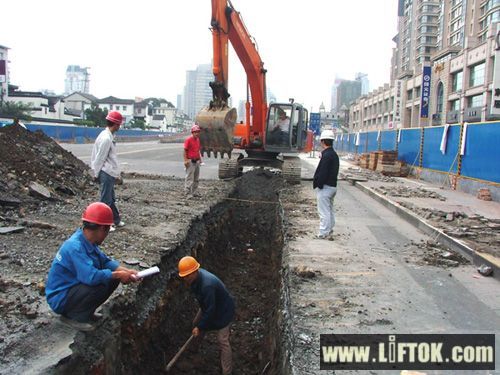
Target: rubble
{"x": 484, "y": 194}
{"x": 34, "y": 168}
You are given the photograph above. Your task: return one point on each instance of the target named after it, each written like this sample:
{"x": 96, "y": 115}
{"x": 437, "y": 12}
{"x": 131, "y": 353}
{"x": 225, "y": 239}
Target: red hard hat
{"x": 195, "y": 128}
{"x": 98, "y": 213}
{"x": 115, "y": 117}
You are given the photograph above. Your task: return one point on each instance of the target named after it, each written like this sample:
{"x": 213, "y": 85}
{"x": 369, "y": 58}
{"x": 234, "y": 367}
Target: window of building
{"x": 417, "y": 92}
{"x": 476, "y": 100}
{"x": 476, "y": 75}
{"x": 124, "y": 107}
{"x": 440, "y": 98}
{"x": 456, "y": 81}
{"x": 409, "y": 94}
{"x": 455, "y": 105}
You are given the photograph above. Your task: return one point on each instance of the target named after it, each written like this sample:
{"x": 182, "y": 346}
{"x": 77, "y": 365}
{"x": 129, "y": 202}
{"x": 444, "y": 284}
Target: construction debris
{"x": 484, "y": 194}
{"x": 384, "y": 162}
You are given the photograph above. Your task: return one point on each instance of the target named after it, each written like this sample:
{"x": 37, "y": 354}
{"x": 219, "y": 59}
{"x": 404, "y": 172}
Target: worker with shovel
{"x": 216, "y": 306}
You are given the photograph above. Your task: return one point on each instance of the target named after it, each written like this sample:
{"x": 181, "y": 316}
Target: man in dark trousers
{"x": 82, "y": 277}
{"x": 216, "y": 307}
{"x": 325, "y": 184}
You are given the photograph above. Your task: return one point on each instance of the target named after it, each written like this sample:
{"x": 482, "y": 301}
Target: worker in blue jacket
{"x": 82, "y": 277}
{"x": 216, "y": 306}
{"x": 325, "y": 184}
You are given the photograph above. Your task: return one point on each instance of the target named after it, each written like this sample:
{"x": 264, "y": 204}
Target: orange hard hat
{"x": 187, "y": 266}
{"x": 195, "y": 128}
{"x": 115, "y": 117}
{"x": 98, "y": 213}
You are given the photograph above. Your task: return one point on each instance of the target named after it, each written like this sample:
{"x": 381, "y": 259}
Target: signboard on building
{"x": 315, "y": 123}
{"x": 3, "y": 71}
{"x": 426, "y": 92}
{"x": 396, "y": 111}
{"x": 495, "y": 98}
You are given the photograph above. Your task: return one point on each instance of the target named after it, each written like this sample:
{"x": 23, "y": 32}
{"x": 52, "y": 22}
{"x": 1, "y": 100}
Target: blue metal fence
{"x": 480, "y": 161}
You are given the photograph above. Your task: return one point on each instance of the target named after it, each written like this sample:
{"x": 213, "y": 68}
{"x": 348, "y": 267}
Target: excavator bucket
{"x": 217, "y": 126}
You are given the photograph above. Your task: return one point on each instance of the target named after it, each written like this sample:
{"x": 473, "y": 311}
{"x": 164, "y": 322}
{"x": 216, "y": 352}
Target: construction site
{"x": 256, "y": 232}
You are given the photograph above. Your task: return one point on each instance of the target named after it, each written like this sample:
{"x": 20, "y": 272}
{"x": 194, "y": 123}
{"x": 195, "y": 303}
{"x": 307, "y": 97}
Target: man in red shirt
{"x": 192, "y": 161}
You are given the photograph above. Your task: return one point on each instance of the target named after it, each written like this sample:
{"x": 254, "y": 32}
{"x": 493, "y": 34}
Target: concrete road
{"x": 149, "y": 157}
{"x": 374, "y": 279}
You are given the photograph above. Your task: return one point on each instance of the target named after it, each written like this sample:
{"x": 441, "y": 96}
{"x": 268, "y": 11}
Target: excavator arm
{"x": 218, "y": 120}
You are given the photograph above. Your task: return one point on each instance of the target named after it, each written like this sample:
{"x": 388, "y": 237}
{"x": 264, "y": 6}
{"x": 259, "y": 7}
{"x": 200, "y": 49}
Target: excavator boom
{"x": 217, "y": 120}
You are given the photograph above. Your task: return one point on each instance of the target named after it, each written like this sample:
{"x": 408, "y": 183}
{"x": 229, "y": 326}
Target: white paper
{"x": 464, "y": 138}
{"x": 399, "y": 135}
{"x": 357, "y": 138}
{"x": 444, "y": 139}
{"x": 378, "y": 136}
{"x": 148, "y": 272}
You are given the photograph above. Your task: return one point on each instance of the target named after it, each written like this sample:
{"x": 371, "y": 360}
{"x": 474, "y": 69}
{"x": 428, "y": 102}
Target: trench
{"x": 240, "y": 240}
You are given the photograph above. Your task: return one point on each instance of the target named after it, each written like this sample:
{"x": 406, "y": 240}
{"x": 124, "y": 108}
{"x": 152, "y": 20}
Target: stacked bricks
{"x": 484, "y": 194}
{"x": 364, "y": 161}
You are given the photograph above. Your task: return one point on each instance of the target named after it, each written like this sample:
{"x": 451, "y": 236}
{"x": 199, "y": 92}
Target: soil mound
{"x": 33, "y": 167}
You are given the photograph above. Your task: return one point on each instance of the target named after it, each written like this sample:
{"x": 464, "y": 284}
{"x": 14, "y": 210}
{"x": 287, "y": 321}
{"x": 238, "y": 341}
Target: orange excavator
{"x": 271, "y": 135}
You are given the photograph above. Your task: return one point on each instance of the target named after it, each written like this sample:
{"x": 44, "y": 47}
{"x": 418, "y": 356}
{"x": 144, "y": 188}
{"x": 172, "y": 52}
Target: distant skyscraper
{"x": 347, "y": 92}
{"x": 365, "y": 84}
{"x": 77, "y": 79}
{"x": 333, "y": 104}
{"x": 197, "y": 92}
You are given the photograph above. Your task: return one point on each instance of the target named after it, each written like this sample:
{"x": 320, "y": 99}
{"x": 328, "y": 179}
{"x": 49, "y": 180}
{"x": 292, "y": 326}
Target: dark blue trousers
{"x": 107, "y": 184}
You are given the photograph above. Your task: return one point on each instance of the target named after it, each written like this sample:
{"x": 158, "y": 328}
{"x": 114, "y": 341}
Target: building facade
{"x": 442, "y": 69}
{"x": 124, "y": 106}
{"x": 4, "y": 74}
{"x": 197, "y": 92}
{"x": 77, "y": 80}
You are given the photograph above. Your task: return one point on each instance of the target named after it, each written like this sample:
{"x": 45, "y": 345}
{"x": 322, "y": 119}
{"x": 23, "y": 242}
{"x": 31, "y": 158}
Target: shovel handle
{"x": 181, "y": 350}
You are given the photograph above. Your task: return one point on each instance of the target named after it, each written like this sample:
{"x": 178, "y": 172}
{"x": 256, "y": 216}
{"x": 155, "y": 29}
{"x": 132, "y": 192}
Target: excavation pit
{"x": 241, "y": 241}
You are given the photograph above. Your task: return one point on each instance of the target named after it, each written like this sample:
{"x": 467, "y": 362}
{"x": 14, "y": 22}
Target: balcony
{"x": 436, "y": 119}
{"x": 453, "y": 117}
{"x": 472, "y": 114}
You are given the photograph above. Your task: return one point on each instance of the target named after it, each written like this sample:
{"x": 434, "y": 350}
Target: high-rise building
{"x": 197, "y": 92}
{"x": 333, "y": 103}
{"x": 457, "y": 43}
{"x": 77, "y": 80}
{"x": 365, "y": 83}
{"x": 4, "y": 74}
{"x": 347, "y": 92}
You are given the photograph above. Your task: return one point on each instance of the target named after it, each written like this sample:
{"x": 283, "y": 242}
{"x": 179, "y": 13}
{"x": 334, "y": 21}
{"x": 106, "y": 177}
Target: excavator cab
{"x": 286, "y": 127}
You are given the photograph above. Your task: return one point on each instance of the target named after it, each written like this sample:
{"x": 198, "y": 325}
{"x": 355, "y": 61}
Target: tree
{"x": 96, "y": 115}
{"x": 137, "y": 123}
{"x": 17, "y": 110}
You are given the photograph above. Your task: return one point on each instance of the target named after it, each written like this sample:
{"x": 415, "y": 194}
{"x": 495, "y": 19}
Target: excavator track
{"x": 291, "y": 170}
{"x": 229, "y": 168}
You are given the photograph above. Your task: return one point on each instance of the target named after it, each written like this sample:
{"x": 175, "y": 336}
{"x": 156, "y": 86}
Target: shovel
{"x": 181, "y": 350}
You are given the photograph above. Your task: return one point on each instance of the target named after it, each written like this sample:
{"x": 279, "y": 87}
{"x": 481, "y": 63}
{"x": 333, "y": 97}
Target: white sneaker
{"x": 120, "y": 224}
{"x": 112, "y": 228}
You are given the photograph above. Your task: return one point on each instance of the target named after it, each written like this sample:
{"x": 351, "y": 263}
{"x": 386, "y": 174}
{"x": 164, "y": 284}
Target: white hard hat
{"x": 326, "y": 134}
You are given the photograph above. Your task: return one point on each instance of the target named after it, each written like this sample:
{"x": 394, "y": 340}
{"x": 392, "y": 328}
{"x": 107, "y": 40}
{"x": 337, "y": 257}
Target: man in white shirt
{"x": 281, "y": 129}
{"x": 104, "y": 163}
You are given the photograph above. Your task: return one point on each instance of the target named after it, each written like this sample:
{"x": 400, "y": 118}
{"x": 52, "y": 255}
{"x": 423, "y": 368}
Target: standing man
{"x": 325, "y": 184}
{"x": 104, "y": 163}
{"x": 82, "y": 277}
{"x": 192, "y": 161}
{"x": 216, "y": 307}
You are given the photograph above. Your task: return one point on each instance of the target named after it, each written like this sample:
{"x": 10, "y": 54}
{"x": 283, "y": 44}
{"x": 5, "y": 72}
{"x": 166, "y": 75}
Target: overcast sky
{"x": 143, "y": 48}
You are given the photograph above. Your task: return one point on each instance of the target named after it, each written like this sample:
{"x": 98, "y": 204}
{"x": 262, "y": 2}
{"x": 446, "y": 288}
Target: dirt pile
{"x": 33, "y": 167}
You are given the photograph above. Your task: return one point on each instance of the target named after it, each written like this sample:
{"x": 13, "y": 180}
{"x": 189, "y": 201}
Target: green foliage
{"x": 17, "y": 110}
{"x": 136, "y": 123}
{"x": 96, "y": 115}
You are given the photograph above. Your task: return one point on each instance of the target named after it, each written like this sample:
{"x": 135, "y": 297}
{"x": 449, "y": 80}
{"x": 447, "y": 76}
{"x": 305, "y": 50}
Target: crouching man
{"x": 82, "y": 277}
{"x": 216, "y": 307}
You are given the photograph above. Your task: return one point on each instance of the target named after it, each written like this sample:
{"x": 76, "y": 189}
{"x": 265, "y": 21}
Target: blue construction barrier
{"x": 480, "y": 161}
{"x": 482, "y": 152}
{"x": 409, "y": 146}
{"x": 432, "y": 157}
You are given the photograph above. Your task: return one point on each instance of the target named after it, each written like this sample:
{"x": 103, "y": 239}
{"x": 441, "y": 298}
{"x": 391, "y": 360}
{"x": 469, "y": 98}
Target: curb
{"x": 425, "y": 227}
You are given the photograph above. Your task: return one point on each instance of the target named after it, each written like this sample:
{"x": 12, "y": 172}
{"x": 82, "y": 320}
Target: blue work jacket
{"x": 77, "y": 261}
